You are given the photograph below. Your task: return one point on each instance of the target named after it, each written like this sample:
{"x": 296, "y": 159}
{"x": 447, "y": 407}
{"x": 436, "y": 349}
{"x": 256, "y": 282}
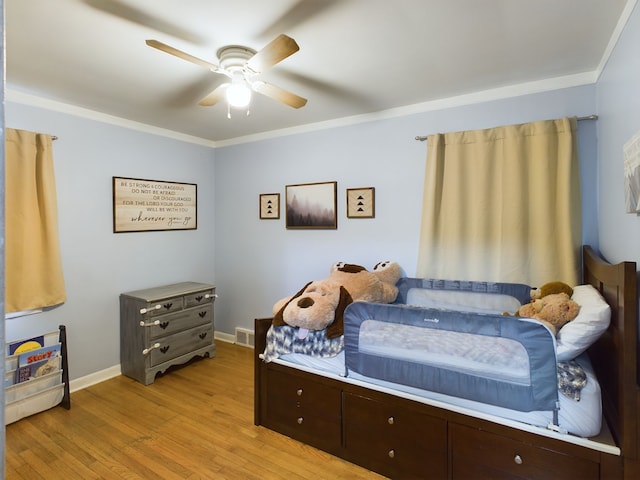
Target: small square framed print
{"x": 269, "y": 206}
{"x": 361, "y": 202}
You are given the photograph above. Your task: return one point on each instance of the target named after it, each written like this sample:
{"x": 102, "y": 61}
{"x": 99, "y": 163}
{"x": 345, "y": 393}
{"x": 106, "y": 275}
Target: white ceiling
{"x": 357, "y": 57}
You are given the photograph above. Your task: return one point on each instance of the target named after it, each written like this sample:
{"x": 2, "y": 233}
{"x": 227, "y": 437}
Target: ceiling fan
{"x": 242, "y": 65}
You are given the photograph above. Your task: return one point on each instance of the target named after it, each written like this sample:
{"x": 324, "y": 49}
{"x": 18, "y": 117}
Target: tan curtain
{"x": 503, "y": 204}
{"x": 33, "y": 268}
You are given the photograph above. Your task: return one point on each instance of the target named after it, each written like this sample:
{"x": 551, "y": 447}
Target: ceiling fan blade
{"x": 279, "y": 94}
{"x": 180, "y": 54}
{"x": 214, "y": 97}
{"x": 274, "y": 52}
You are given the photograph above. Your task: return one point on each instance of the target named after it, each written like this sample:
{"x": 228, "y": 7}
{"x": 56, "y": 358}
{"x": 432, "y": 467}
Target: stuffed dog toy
{"x": 320, "y": 304}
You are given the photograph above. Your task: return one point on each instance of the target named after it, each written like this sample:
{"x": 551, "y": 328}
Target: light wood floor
{"x": 195, "y": 422}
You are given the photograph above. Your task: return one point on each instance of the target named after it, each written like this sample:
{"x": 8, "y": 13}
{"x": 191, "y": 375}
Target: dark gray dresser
{"x": 165, "y": 326}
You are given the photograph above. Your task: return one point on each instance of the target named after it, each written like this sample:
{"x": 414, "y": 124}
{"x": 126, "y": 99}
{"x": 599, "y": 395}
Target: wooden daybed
{"x": 402, "y": 437}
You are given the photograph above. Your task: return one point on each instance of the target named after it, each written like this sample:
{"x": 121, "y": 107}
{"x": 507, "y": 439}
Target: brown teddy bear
{"x": 554, "y": 310}
{"x": 550, "y": 288}
{"x": 321, "y": 304}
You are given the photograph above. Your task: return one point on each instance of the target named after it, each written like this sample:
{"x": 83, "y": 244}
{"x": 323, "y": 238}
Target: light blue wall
{"x": 618, "y": 97}
{"x": 255, "y": 262}
{"x": 98, "y": 264}
{"x": 259, "y": 261}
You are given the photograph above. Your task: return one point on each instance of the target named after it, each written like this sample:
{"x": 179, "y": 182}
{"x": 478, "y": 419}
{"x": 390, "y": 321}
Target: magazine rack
{"x": 28, "y": 392}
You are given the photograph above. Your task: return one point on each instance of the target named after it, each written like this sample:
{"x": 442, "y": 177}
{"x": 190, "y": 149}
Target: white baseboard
{"x": 111, "y": 372}
{"x": 224, "y": 337}
{"x": 93, "y": 378}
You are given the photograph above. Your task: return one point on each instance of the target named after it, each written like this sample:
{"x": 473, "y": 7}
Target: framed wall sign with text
{"x": 141, "y": 205}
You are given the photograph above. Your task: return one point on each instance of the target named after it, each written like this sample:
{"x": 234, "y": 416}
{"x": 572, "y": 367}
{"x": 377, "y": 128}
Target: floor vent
{"x": 245, "y": 337}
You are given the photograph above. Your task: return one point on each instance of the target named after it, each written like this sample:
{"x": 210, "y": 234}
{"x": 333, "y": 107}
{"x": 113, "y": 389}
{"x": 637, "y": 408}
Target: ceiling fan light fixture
{"x": 241, "y": 64}
{"x": 238, "y": 94}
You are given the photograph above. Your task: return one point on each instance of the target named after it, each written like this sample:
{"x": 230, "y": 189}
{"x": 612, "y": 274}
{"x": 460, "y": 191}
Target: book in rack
{"x": 36, "y": 375}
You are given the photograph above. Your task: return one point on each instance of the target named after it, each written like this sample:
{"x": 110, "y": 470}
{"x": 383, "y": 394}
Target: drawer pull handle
{"x": 203, "y": 335}
{"x": 299, "y": 392}
{"x": 202, "y": 314}
{"x": 147, "y": 350}
{"x": 392, "y": 453}
{"x": 152, "y": 324}
{"x": 211, "y": 295}
{"x": 300, "y": 420}
{"x": 518, "y": 459}
{"x": 168, "y": 305}
{"x": 150, "y": 309}
{"x": 390, "y": 420}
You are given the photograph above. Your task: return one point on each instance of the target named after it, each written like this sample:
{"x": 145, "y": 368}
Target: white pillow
{"x": 592, "y": 321}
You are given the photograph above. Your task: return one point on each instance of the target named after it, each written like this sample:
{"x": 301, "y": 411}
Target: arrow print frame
{"x": 361, "y": 202}
{"x": 269, "y": 206}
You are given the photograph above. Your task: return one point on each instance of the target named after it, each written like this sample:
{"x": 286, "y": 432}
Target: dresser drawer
{"x": 168, "y": 324}
{"x": 304, "y": 410}
{"x": 181, "y": 343}
{"x": 160, "y": 307}
{"x": 200, "y": 298}
{"x": 483, "y": 455}
{"x": 393, "y": 439}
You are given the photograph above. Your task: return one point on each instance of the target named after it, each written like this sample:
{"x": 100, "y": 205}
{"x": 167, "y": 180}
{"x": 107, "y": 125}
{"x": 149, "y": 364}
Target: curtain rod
{"x": 588, "y": 117}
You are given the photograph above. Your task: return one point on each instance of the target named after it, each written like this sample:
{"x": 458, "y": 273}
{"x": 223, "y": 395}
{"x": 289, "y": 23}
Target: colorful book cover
{"x": 36, "y": 369}
{"x": 33, "y": 356}
{"x": 22, "y": 346}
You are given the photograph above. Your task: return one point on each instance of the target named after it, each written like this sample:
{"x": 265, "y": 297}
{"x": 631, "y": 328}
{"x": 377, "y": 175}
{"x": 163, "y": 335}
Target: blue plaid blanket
{"x": 286, "y": 339}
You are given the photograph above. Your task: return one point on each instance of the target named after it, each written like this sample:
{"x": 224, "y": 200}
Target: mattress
{"x": 582, "y": 418}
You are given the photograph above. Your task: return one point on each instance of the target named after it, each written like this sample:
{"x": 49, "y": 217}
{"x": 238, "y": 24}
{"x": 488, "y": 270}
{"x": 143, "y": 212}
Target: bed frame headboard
{"x": 615, "y": 354}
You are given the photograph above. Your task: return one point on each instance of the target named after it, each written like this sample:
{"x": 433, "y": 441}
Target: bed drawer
{"x": 304, "y": 409}
{"x": 483, "y": 455}
{"x": 393, "y": 439}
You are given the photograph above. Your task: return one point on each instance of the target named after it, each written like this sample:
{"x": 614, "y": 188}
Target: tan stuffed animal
{"x": 378, "y": 286}
{"x": 550, "y": 288}
{"x": 321, "y": 304}
{"x": 554, "y": 310}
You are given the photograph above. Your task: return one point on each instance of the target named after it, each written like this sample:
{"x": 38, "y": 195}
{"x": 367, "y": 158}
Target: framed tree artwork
{"x": 312, "y": 205}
